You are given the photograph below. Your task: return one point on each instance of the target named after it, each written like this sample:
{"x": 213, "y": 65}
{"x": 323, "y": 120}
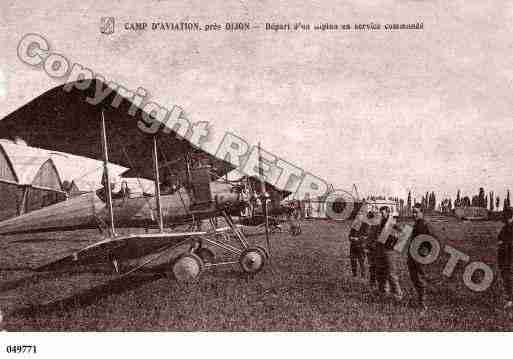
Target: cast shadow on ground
{"x": 89, "y": 296}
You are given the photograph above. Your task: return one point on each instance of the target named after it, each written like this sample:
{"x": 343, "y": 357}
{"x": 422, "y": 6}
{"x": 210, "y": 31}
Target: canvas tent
{"x": 32, "y": 178}
{"x": 28, "y": 180}
{"x": 82, "y": 174}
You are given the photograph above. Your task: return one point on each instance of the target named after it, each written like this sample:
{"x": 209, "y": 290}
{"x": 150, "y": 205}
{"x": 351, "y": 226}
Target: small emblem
{"x": 107, "y": 25}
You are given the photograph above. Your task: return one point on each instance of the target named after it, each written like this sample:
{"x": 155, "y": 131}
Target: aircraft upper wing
{"x": 64, "y": 121}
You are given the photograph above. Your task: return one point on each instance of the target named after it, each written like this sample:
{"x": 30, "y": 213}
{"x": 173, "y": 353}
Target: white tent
{"x": 32, "y": 178}
{"x": 85, "y": 173}
{"x": 29, "y": 180}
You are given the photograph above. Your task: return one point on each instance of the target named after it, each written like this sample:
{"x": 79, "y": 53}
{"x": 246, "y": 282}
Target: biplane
{"x": 189, "y": 187}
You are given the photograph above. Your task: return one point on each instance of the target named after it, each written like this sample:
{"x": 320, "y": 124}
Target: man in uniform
{"x": 504, "y": 256}
{"x": 417, "y": 275}
{"x": 357, "y": 237}
{"x": 370, "y": 246}
{"x": 386, "y": 258}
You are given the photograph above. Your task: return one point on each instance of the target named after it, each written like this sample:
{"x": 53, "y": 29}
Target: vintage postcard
{"x": 255, "y": 166}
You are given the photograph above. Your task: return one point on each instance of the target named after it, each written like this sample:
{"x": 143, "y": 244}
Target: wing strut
{"x": 157, "y": 184}
{"x": 106, "y": 184}
{"x": 265, "y": 200}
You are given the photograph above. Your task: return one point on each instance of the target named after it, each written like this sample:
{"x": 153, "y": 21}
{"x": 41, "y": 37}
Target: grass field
{"x": 307, "y": 288}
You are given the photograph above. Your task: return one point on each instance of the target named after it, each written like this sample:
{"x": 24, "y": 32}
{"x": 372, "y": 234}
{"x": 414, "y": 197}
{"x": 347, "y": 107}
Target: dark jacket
{"x": 419, "y": 227}
{"x": 506, "y": 235}
{"x": 360, "y": 233}
{"x": 372, "y": 236}
{"x": 505, "y": 244}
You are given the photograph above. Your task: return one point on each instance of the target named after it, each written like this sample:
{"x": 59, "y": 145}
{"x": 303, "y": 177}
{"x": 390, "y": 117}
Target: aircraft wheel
{"x": 252, "y": 260}
{"x": 187, "y": 267}
{"x": 206, "y": 255}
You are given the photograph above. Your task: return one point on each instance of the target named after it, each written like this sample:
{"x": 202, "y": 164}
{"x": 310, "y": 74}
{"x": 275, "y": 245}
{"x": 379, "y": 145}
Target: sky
{"x": 427, "y": 110}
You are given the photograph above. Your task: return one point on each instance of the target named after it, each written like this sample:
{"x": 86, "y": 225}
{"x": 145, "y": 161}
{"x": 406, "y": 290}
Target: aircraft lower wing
{"x": 127, "y": 247}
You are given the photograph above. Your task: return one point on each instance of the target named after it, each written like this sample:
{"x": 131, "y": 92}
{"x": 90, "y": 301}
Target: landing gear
{"x": 264, "y": 251}
{"x": 253, "y": 259}
{"x": 187, "y": 267}
{"x": 205, "y": 254}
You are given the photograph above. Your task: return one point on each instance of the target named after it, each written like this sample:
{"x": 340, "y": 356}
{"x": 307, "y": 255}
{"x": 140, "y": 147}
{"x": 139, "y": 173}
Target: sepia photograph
{"x": 254, "y": 166}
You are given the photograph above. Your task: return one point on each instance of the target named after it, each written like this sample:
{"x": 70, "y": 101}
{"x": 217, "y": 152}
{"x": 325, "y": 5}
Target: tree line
{"x": 481, "y": 199}
{"x": 429, "y": 203}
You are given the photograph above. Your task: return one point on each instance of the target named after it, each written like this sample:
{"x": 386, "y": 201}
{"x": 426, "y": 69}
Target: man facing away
{"x": 504, "y": 256}
{"x": 387, "y": 258}
{"x": 417, "y": 274}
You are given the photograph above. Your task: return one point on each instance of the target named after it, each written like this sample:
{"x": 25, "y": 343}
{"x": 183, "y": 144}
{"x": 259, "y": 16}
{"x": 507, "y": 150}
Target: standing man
{"x": 357, "y": 236}
{"x": 372, "y": 237}
{"x": 417, "y": 274}
{"x": 293, "y": 217}
{"x": 386, "y": 257}
{"x": 505, "y": 257}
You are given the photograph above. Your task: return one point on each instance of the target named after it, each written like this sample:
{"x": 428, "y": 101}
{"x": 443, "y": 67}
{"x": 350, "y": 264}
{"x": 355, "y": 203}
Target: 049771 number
{"x": 21, "y": 349}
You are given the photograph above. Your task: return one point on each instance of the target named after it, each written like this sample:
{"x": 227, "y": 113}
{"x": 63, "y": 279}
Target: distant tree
{"x": 475, "y": 201}
{"x": 408, "y": 204}
{"x": 443, "y": 205}
{"x": 433, "y": 201}
{"x": 457, "y": 202}
{"x": 497, "y": 202}
{"x": 450, "y": 205}
{"x": 423, "y": 203}
{"x": 481, "y": 200}
{"x": 507, "y": 202}
{"x": 465, "y": 201}
{"x": 491, "y": 201}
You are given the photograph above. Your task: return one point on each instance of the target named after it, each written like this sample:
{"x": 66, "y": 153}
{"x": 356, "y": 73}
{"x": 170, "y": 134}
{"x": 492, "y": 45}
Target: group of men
{"x": 381, "y": 256}
{"x": 366, "y": 241}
